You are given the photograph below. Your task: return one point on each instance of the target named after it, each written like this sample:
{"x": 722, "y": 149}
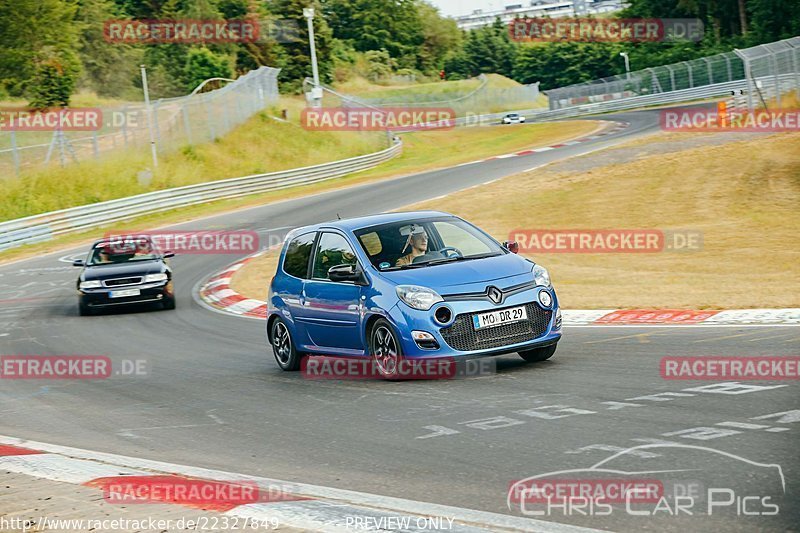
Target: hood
{"x": 121, "y": 270}
{"x": 465, "y": 276}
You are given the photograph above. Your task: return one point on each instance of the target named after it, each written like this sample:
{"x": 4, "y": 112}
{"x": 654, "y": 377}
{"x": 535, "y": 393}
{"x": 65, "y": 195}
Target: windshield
{"x": 107, "y": 253}
{"x": 419, "y": 243}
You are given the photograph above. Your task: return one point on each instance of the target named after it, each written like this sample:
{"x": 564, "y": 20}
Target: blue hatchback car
{"x": 409, "y": 285}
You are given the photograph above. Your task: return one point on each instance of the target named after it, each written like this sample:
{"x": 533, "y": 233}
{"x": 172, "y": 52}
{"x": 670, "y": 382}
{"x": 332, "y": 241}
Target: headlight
{"x": 541, "y": 276}
{"x": 421, "y": 298}
{"x": 94, "y": 284}
{"x": 152, "y": 278}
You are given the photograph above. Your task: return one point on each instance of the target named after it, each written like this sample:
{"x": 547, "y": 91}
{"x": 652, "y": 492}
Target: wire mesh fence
{"x": 772, "y": 72}
{"x": 176, "y": 122}
{"x": 769, "y": 71}
{"x": 482, "y": 99}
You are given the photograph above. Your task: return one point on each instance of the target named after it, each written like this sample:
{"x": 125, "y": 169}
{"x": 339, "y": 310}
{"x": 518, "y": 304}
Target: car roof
{"x": 356, "y": 223}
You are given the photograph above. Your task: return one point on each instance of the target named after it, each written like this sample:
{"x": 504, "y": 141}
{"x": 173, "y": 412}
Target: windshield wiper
{"x": 466, "y": 257}
{"x": 443, "y": 261}
{"x": 454, "y": 259}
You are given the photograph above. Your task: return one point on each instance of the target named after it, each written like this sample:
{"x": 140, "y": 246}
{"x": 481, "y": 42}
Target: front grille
{"x": 122, "y": 281}
{"x": 464, "y": 337}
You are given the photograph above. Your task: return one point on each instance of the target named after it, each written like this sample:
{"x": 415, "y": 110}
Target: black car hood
{"x": 122, "y": 270}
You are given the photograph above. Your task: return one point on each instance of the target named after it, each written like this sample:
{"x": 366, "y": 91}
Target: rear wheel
{"x": 282, "y": 346}
{"x": 539, "y": 354}
{"x": 385, "y": 349}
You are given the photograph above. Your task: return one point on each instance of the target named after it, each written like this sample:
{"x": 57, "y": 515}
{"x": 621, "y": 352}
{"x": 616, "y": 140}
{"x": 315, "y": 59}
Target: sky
{"x": 464, "y": 7}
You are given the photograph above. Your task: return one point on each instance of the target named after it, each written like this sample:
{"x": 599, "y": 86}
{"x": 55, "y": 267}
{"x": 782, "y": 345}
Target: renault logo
{"x": 495, "y": 294}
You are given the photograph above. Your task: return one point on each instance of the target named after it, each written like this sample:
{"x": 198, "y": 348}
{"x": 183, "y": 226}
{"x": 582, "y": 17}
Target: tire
{"x": 283, "y": 347}
{"x": 384, "y": 348}
{"x": 539, "y": 354}
{"x": 168, "y": 303}
{"x": 84, "y": 310}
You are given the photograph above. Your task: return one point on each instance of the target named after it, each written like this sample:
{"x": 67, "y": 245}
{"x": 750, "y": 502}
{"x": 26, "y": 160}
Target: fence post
{"x": 95, "y": 145}
{"x": 155, "y": 122}
{"x": 671, "y": 75}
{"x": 689, "y": 72}
{"x": 773, "y": 60}
{"x": 655, "y": 84}
{"x": 710, "y": 71}
{"x": 730, "y": 70}
{"x": 748, "y": 78}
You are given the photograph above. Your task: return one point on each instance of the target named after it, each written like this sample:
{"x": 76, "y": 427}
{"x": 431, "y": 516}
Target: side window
{"x": 298, "y": 252}
{"x": 333, "y": 250}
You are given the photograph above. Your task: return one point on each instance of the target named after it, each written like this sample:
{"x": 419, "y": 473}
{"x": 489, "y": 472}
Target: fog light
{"x": 557, "y": 324}
{"x": 443, "y": 315}
{"x": 425, "y": 340}
{"x": 545, "y": 299}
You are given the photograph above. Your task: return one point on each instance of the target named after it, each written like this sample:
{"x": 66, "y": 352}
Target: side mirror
{"x": 167, "y": 255}
{"x": 342, "y": 273}
{"x": 512, "y": 247}
{"x": 78, "y": 263}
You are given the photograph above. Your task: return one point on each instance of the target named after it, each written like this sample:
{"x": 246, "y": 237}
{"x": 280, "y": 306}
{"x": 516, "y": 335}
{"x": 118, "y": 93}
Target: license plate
{"x": 123, "y": 293}
{"x": 498, "y": 318}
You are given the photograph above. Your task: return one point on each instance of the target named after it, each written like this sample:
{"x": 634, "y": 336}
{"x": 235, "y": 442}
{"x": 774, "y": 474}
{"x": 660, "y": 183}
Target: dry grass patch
{"x": 252, "y": 280}
{"x": 743, "y": 196}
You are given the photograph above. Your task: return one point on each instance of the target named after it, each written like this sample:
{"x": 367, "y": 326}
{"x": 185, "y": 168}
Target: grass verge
{"x": 260, "y": 145}
{"x": 523, "y": 137}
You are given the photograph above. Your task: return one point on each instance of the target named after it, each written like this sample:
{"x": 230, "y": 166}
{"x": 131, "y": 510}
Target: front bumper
{"x": 459, "y": 339}
{"x": 149, "y": 292}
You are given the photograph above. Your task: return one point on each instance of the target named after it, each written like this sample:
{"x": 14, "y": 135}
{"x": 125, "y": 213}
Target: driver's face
{"x": 420, "y": 241}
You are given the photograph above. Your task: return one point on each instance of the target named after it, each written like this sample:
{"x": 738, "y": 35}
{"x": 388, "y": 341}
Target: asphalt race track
{"x": 214, "y": 397}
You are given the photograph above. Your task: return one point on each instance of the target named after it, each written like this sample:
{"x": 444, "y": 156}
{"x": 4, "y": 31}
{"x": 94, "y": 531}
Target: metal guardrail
{"x": 632, "y": 102}
{"x": 38, "y": 228}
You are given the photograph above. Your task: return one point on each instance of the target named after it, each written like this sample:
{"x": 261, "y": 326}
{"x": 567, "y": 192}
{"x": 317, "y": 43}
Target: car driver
{"x": 418, "y": 241}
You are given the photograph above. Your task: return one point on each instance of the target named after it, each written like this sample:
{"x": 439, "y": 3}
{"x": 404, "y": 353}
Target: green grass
{"x": 362, "y": 87}
{"x": 260, "y": 145}
{"x": 470, "y": 140}
{"x": 423, "y": 150}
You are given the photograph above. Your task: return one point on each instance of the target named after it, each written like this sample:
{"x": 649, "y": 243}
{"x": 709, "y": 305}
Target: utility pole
{"x": 316, "y": 91}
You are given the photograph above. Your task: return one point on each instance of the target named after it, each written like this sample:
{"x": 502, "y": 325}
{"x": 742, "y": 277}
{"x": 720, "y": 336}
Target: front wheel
{"x": 168, "y": 303}
{"x": 385, "y": 349}
{"x": 83, "y": 309}
{"x": 282, "y": 346}
{"x": 539, "y": 354}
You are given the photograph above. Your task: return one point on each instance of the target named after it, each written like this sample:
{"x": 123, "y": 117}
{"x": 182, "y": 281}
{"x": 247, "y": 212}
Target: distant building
{"x": 539, "y": 9}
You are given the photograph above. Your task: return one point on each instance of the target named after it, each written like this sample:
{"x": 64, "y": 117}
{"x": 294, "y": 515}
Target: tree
{"x": 440, "y": 37}
{"x": 38, "y": 43}
{"x": 202, "y": 64}
{"x": 54, "y": 79}
{"x": 392, "y": 25}
{"x": 296, "y": 56}
{"x": 108, "y": 68}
